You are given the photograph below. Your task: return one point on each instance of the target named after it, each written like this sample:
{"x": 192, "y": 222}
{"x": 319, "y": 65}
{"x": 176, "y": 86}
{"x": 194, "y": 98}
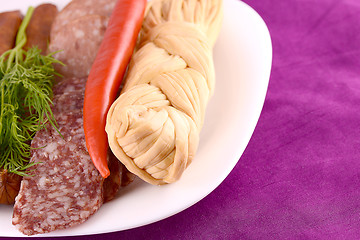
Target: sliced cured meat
{"x": 69, "y": 85}
{"x": 79, "y": 8}
{"x": 113, "y": 181}
{"x": 68, "y": 102}
{"x": 9, "y": 25}
{"x": 119, "y": 177}
{"x": 65, "y": 188}
{"x": 38, "y": 29}
{"x": 69, "y": 95}
{"x": 9, "y": 186}
{"x": 78, "y": 43}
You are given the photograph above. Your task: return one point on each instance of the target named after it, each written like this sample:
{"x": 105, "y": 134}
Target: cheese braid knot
{"x": 153, "y": 127}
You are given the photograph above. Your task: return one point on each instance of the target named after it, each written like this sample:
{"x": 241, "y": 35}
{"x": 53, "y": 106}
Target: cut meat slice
{"x": 79, "y": 8}
{"x": 68, "y": 85}
{"x": 78, "y": 43}
{"x": 119, "y": 177}
{"x": 65, "y": 188}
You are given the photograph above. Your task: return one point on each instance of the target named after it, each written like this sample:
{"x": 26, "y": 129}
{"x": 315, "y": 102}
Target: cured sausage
{"x": 119, "y": 177}
{"x": 9, "y": 25}
{"x": 38, "y": 30}
{"x": 69, "y": 96}
{"x": 79, "y": 8}
{"x": 9, "y": 186}
{"x": 77, "y": 32}
{"x": 65, "y": 189}
{"x": 78, "y": 43}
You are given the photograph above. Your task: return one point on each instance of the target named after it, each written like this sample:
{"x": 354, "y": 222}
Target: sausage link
{"x": 9, "y": 186}
{"x": 9, "y": 25}
{"x": 38, "y": 30}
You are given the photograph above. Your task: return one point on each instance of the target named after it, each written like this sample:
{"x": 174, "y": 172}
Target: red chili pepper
{"x": 106, "y": 75}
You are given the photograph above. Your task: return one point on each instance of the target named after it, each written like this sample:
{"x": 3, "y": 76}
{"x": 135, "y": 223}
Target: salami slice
{"x": 65, "y": 188}
{"x": 78, "y": 43}
{"x": 79, "y": 8}
{"x": 119, "y": 177}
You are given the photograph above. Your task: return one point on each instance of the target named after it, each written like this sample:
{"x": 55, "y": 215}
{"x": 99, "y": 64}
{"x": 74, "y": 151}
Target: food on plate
{"x": 119, "y": 177}
{"x": 68, "y": 172}
{"x": 65, "y": 189}
{"x": 38, "y": 29}
{"x": 77, "y": 43}
{"x": 76, "y": 34}
{"x": 106, "y": 75}
{"x": 9, "y": 25}
{"x": 79, "y": 8}
{"x": 9, "y": 186}
{"x": 153, "y": 127}
{"x": 36, "y": 35}
{"x": 26, "y": 87}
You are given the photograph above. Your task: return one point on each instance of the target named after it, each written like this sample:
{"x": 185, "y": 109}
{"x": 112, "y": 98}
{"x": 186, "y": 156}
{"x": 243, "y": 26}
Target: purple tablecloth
{"x": 299, "y": 177}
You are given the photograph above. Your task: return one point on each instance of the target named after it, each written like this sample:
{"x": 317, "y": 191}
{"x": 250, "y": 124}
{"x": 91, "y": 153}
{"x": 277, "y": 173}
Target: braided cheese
{"x": 153, "y": 127}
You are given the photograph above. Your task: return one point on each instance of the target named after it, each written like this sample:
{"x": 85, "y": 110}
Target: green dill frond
{"x": 26, "y": 81}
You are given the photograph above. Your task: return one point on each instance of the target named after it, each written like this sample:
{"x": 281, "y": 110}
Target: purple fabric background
{"x": 299, "y": 177}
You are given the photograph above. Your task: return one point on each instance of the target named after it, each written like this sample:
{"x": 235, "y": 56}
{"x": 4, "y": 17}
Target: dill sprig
{"x": 26, "y": 80}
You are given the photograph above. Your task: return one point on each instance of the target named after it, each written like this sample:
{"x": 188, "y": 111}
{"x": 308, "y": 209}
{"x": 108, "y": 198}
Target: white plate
{"x": 243, "y": 55}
